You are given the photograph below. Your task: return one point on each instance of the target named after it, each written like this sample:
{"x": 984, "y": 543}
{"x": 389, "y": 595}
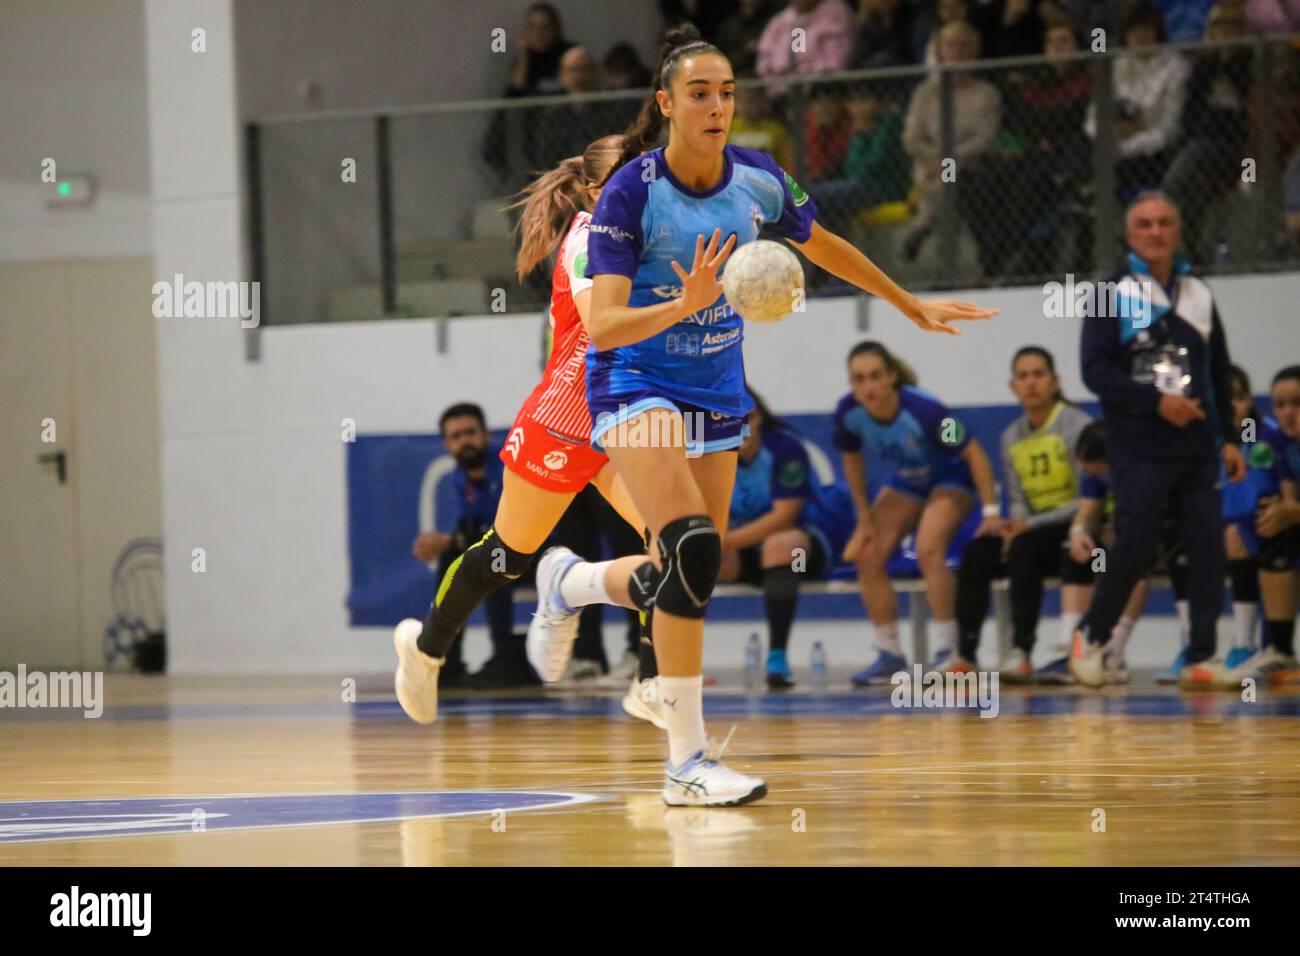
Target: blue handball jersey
{"x": 645, "y": 219}
{"x": 922, "y": 443}
{"x": 781, "y": 469}
{"x": 1266, "y": 468}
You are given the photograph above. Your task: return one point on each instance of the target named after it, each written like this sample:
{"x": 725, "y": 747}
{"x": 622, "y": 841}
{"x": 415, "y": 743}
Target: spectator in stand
{"x": 535, "y": 72}
{"x": 823, "y": 47}
{"x": 1212, "y": 136}
{"x": 946, "y": 12}
{"x": 1273, "y": 16}
{"x": 977, "y": 116}
{"x": 885, "y": 34}
{"x": 876, "y": 168}
{"x": 1013, "y": 28}
{"x": 707, "y": 15}
{"x": 565, "y": 130}
{"x": 739, "y": 34}
{"x": 754, "y": 127}
{"x": 1185, "y": 20}
{"x": 1150, "y": 86}
{"x": 624, "y": 70}
{"x": 827, "y": 134}
{"x": 1046, "y": 106}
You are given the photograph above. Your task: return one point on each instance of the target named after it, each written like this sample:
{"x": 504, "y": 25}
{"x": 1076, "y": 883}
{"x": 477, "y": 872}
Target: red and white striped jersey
{"x": 559, "y": 402}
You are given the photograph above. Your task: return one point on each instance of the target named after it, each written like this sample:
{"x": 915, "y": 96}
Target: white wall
{"x": 72, "y": 88}
{"x": 254, "y": 460}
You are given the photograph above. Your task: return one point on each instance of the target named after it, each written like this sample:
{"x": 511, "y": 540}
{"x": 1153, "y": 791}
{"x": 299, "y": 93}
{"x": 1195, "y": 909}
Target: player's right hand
{"x": 1179, "y": 410}
{"x": 701, "y": 288}
{"x": 860, "y": 538}
{"x": 1082, "y": 546}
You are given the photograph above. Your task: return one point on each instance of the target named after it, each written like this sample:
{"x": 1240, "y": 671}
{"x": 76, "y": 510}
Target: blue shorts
{"x": 704, "y": 433}
{"x": 952, "y": 474}
{"x": 832, "y": 536}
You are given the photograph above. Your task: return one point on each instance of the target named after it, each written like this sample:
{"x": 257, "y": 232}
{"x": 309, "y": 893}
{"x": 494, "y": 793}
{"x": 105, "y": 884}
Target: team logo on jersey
{"x": 792, "y": 474}
{"x": 580, "y": 266}
{"x": 555, "y": 460}
{"x": 757, "y": 215}
{"x": 514, "y": 443}
{"x": 1262, "y": 455}
{"x": 663, "y": 233}
{"x": 796, "y": 191}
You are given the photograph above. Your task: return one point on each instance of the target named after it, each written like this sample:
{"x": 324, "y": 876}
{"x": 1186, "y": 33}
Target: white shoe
{"x": 554, "y": 626}
{"x": 642, "y": 701}
{"x": 417, "y": 674}
{"x": 622, "y": 672}
{"x": 579, "y": 674}
{"x": 1017, "y": 668}
{"x": 1114, "y": 669}
{"x": 704, "y": 781}
{"x": 1086, "y": 661}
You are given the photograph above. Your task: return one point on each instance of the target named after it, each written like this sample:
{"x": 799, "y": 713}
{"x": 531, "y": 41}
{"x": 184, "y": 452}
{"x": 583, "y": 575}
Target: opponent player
{"x": 666, "y": 349}
{"x": 547, "y": 453}
{"x": 933, "y": 469}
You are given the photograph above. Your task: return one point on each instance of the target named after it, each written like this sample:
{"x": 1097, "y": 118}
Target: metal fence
{"x": 988, "y": 173}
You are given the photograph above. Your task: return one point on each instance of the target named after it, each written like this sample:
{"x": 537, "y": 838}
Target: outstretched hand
{"x": 701, "y": 287}
{"x": 934, "y": 316}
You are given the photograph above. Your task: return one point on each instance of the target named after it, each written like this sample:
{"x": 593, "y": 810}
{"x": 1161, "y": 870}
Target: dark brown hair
{"x": 901, "y": 369}
{"x": 551, "y": 200}
{"x": 681, "y": 41}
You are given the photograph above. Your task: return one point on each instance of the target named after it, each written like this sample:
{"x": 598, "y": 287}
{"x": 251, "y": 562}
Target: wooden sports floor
{"x": 278, "y": 772}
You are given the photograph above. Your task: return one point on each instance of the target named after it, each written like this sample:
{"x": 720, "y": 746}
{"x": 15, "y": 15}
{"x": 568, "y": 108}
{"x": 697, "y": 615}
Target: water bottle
{"x": 1222, "y": 253}
{"x": 818, "y": 667}
{"x": 753, "y": 661}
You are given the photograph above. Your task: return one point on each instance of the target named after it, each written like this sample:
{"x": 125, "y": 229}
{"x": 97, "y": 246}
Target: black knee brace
{"x": 485, "y": 565}
{"x": 690, "y": 550}
{"x": 1279, "y": 552}
{"x": 1244, "y": 574}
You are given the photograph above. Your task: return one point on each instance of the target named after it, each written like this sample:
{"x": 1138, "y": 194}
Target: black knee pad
{"x": 1244, "y": 574}
{"x": 1075, "y": 572}
{"x": 641, "y": 588}
{"x": 690, "y": 550}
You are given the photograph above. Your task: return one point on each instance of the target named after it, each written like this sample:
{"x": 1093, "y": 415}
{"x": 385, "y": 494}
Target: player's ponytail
{"x": 550, "y": 201}
{"x": 903, "y": 372}
{"x": 680, "y": 41}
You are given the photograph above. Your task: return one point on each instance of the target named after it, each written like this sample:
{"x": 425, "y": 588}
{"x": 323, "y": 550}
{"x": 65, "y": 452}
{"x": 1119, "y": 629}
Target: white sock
{"x": 1119, "y": 636}
{"x": 584, "y": 584}
{"x": 683, "y": 710}
{"x": 1245, "y": 617}
{"x": 887, "y": 637}
{"x": 1069, "y": 621}
{"x": 1184, "y": 622}
{"x": 945, "y": 635}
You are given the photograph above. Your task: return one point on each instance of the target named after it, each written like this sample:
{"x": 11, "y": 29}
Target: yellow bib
{"x": 1043, "y": 463}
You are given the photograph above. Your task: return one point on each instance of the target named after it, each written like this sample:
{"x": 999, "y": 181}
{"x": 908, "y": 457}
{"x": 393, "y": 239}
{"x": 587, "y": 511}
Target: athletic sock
{"x": 886, "y": 638}
{"x": 1069, "y": 624}
{"x": 1184, "y": 623}
{"x": 1245, "y": 620}
{"x": 683, "y": 710}
{"x": 584, "y": 583}
{"x": 1244, "y": 575}
{"x": 780, "y": 598}
{"x": 945, "y": 636}
{"x": 1119, "y": 636}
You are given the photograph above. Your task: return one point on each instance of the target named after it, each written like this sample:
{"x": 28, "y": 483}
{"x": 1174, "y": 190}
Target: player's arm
{"x": 784, "y": 515}
{"x": 613, "y": 323}
{"x": 1082, "y": 531}
{"x": 841, "y": 258}
{"x": 1280, "y": 513}
{"x": 981, "y": 472}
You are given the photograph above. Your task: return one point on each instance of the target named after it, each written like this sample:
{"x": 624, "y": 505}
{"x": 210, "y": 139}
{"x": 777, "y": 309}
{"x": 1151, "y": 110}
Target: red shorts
{"x": 548, "y": 460}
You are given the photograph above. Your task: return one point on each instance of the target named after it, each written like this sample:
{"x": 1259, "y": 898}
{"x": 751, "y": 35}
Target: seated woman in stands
{"x": 1041, "y": 477}
{"x": 784, "y": 527}
{"x": 932, "y": 470}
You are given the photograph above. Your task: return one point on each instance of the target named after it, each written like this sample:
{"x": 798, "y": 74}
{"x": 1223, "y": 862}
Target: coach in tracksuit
{"x": 1153, "y": 350}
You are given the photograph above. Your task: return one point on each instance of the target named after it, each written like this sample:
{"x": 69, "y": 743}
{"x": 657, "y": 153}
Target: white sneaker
{"x": 642, "y": 701}
{"x": 417, "y": 674}
{"x": 1017, "y": 668}
{"x": 1086, "y": 661}
{"x": 579, "y": 674}
{"x": 554, "y": 626}
{"x": 1114, "y": 669}
{"x": 622, "y": 672}
{"x": 704, "y": 781}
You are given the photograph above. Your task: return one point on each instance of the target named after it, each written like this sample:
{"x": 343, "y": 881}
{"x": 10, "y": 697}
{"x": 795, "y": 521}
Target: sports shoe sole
{"x": 758, "y": 793}
{"x": 635, "y": 708}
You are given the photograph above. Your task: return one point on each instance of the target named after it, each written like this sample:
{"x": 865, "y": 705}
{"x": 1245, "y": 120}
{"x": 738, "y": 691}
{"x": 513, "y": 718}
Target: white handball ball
{"x": 763, "y": 281}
